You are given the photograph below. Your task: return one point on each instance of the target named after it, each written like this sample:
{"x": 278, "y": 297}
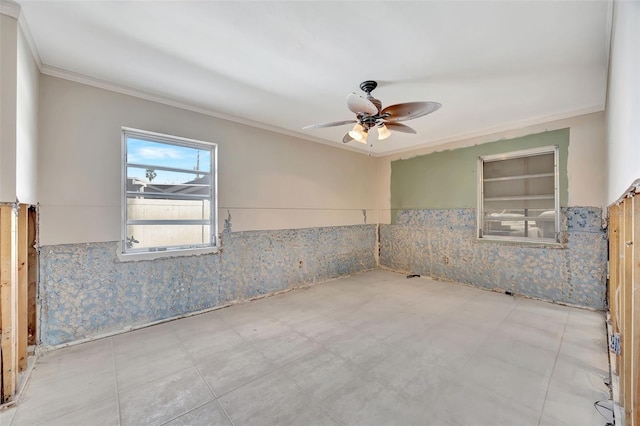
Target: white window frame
{"x": 480, "y": 188}
{"x": 149, "y": 253}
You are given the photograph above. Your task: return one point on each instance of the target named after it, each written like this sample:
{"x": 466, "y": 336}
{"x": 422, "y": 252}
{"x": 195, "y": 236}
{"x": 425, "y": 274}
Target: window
{"x": 518, "y": 196}
{"x": 169, "y": 193}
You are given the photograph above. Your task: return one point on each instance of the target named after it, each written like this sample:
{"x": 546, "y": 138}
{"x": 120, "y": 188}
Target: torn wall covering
{"x": 441, "y": 243}
{"x": 433, "y": 200}
{"x": 86, "y": 291}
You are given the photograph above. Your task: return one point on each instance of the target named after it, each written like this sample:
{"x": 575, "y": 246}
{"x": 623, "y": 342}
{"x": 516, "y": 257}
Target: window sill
{"x": 134, "y": 257}
{"x": 552, "y": 244}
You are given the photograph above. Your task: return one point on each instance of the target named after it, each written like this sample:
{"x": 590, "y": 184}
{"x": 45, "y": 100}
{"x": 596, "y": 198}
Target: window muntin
{"x": 518, "y": 196}
{"x": 169, "y": 193}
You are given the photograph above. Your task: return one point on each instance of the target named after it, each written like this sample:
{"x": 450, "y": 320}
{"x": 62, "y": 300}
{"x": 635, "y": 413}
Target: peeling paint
{"x": 86, "y": 291}
{"x": 441, "y": 243}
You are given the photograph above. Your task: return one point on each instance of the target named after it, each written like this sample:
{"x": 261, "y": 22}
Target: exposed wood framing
{"x": 23, "y": 286}
{"x": 32, "y": 274}
{"x": 8, "y": 302}
{"x": 614, "y": 272}
{"x": 627, "y": 308}
{"x": 635, "y": 324}
{"x": 624, "y": 299}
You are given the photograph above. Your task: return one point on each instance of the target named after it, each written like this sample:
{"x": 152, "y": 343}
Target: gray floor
{"x": 371, "y": 349}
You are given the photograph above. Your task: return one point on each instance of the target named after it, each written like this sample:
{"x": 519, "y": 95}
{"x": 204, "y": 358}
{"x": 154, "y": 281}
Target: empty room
{"x": 320, "y": 213}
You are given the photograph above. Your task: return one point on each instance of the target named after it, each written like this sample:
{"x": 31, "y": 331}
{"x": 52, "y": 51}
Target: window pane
{"x": 545, "y": 204}
{"x": 163, "y": 154}
{"x": 519, "y": 197}
{"x": 534, "y": 223}
{"x": 166, "y": 182}
{"x": 535, "y": 186}
{"x": 169, "y": 197}
{"x": 537, "y": 164}
{"x": 146, "y": 236}
{"x": 152, "y": 209}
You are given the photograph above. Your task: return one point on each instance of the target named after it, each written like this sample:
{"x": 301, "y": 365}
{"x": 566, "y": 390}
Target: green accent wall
{"x": 447, "y": 179}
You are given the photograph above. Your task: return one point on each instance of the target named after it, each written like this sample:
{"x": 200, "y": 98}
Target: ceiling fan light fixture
{"x": 358, "y": 133}
{"x": 364, "y": 137}
{"x": 369, "y": 113}
{"x": 383, "y": 132}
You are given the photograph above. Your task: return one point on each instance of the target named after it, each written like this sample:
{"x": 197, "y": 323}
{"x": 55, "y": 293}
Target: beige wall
{"x": 26, "y": 123}
{"x": 266, "y": 180}
{"x": 586, "y": 163}
{"x": 19, "y": 76}
{"x": 8, "y": 84}
{"x": 623, "y": 99}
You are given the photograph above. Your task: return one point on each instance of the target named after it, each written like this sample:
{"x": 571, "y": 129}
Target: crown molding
{"x": 516, "y": 125}
{"x": 10, "y": 8}
{"x": 125, "y": 90}
{"x": 29, "y": 38}
{"x": 13, "y": 9}
{"x": 129, "y": 91}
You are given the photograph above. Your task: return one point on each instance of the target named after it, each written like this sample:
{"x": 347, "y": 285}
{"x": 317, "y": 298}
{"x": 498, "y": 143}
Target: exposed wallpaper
{"x": 85, "y": 290}
{"x": 441, "y": 243}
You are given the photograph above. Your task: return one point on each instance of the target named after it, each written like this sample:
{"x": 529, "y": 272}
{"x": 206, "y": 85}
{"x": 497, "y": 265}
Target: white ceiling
{"x": 283, "y": 65}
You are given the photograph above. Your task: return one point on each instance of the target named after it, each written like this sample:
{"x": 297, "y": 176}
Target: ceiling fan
{"x": 369, "y": 114}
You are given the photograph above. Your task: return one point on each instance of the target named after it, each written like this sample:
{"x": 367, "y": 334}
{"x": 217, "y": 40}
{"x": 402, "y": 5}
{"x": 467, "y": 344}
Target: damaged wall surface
{"x": 291, "y": 200}
{"x": 86, "y": 291}
{"x": 448, "y": 179}
{"x": 441, "y": 244}
{"x": 434, "y": 231}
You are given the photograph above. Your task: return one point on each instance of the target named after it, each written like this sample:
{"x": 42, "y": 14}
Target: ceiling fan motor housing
{"x": 369, "y": 114}
{"x": 367, "y": 121}
{"x": 368, "y": 86}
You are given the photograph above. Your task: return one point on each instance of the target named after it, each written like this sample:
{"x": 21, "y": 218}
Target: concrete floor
{"x": 371, "y": 349}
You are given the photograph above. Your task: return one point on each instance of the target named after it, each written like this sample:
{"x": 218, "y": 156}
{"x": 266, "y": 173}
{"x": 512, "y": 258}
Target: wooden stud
{"x": 32, "y": 274}
{"x": 23, "y": 287}
{"x": 620, "y": 295}
{"x": 626, "y": 336}
{"x": 8, "y": 301}
{"x": 614, "y": 261}
{"x": 635, "y": 323}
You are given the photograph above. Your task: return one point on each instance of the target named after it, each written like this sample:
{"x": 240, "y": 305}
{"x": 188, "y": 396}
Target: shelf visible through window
{"x": 518, "y": 196}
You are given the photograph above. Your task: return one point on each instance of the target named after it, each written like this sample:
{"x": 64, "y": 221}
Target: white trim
{"x": 556, "y": 182}
{"x": 213, "y": 244}
{"x": 516, "y": 125}
{"x": 479, "y": 197}
{"x": 551, "y": 149}
{"x": 14, "y": 10}
{"x": 630, "y": 192}
{"x": 26, "y": 31}
{"x": 161, "y": 137}
{"x": 365, "y": 149}
{"x": 10, "y": 8}
{"x": 126, "y": 90}
{"x": 521, "y": 240}
{"x": 152, "y": 255}
{"x": 519, "y": 154}
{"x": 608, "y": 41}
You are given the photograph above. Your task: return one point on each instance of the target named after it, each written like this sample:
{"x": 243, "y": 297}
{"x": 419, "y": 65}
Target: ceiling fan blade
{"x": 409, "y": 110}
{"x": 357, "y": 103}
{"x": 398, "y": 127}
{"x": 347, "y": 138}
{"x": 331, "y": 124}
